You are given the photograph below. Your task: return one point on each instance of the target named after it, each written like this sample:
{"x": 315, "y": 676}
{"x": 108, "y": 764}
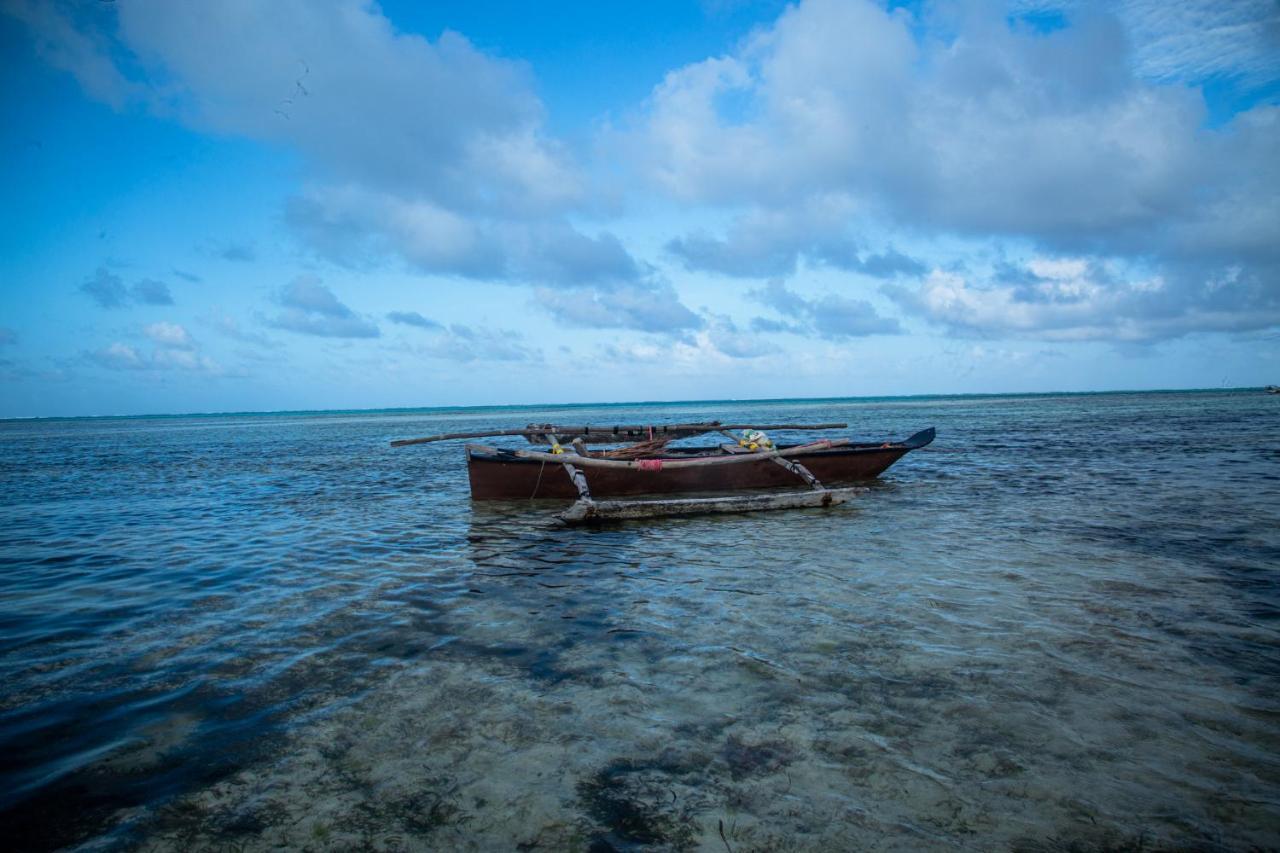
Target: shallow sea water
{"x": 1055, "y": 629}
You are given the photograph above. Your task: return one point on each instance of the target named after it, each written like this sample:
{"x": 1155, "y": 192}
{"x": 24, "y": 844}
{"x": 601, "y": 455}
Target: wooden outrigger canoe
{"x": 649, "y": 467}
{"x": 498, "y": 474}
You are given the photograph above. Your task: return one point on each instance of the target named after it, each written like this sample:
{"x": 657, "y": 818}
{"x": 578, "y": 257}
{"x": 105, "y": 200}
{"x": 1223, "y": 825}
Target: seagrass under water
{"x": 1056, "y": 626}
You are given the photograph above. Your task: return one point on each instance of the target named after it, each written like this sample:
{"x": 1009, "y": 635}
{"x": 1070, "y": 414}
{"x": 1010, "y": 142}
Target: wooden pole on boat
{"x": 576, "y": 474}
{"x": 583, "y": 512}
{"x": 605, "y": 434}
{"x": 766, "y": 427}
{"x": 660, "y": 464}
{"x": 794, "y": 467}
{"x": 799, "y": 470}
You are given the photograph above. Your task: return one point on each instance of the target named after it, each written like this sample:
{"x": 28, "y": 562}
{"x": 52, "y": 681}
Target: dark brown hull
{"x": 509, "y": 478}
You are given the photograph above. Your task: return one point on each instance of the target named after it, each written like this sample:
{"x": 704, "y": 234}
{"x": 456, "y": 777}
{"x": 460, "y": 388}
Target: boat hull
{"x": 503, "y": 477}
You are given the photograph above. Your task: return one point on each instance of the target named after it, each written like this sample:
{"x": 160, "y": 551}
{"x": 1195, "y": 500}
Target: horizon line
{"x": 518, "y": 406}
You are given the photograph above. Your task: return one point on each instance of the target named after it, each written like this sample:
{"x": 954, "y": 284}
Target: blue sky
{"x": 249, "y": 206}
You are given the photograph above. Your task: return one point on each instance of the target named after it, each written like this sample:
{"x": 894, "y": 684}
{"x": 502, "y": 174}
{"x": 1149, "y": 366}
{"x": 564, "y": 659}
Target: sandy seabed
{"x": 835, "y": 745}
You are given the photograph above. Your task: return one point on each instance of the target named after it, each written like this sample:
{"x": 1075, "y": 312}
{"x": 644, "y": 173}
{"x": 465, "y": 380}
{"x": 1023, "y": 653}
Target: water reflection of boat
{"x": 648, "y": 466}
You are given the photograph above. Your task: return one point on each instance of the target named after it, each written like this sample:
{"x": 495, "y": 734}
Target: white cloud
{"x": 646, "y": 307}
{"x": 723, "y": 334}
{"x": 121, "y": 356}
{"x": 468, "y": 343}
{"x": 170, "y": 335}
{"x": 227, "y": 326}
{"x": 108, "y": 291}
{"x": 996, "y": 130}
{"x": 837, "y": 121}
{"x": 771, "y": 242}
{"x": 425, "y": 149}
{"x": 182, "y": 360}
{"x": 829, "y": 316}
{"x": 118, "y": 356}
{"x": 991, "y": 132}
{"x": 65, "y": 44}
{"x": 1074, "y": 299}
{"x": 718, "y": 345}
{"x": 310, "y": 308}
{"x": 362, "y": 101}
{"x": 413, "y": 318}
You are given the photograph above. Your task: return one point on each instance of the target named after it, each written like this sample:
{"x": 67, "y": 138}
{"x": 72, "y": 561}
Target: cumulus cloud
{"x": 596, "y": 282}
{"x": 174, "y": 350}
{"x": 889, "y": 264}
{"x": 361, "y": 101}
{"x": 228, "y": 327}
{"x": 997, "y": 129}
{"x": 766, "y": 242}
{"x": 243, "y": 252}
{"x": 170, "y": 335}
{"x": 965, "y": 123}
{"x": 413, "y": 318}
{"x": 840, "y": 120}
{"x": 356, "y": 226}
{"x": 427, "y": 151}
{"x": 119, "y": 356}
{"x": 466, "y": 344}
{"x": 720, "y": 342}
{"x": 65, "y": 44}
{"x": 106, "y": 289}
{"x": 436, "y": 123}
{"x": 771, "y": 244}
{"x": 151, "y": 292}
{"x": 1071, "y": 299}
{"x": 310, "y": 308}
{"x": 723, "y": 334}
{"x": 829, "y": 316}
{"x": 653, "y": 307}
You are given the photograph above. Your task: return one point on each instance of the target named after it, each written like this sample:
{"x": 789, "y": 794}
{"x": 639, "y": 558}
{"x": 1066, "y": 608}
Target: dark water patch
{"x": 631, "y": 803}
{"x": 760, "y": 758}
{"x": 1110, "y": 842}
{"x": 95, "y": 795}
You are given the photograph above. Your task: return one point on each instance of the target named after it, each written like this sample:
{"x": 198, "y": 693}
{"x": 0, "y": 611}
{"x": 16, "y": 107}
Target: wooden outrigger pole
{"x": 585, "y": 512}
{"x": 611, "y": 434}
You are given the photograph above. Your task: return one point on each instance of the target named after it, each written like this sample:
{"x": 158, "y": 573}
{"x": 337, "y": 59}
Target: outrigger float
{"x": 647, "y": 466}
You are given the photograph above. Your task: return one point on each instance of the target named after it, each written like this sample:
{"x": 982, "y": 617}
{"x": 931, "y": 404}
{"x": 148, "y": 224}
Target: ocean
{"x": 1056, "y": 628}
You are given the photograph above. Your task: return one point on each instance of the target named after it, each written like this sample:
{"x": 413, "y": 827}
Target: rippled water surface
{"x": 1054, "y": 629}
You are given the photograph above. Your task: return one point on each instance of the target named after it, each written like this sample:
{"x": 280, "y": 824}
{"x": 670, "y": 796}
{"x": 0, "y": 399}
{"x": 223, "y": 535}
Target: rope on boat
{"x": 538, "y": 484}
{"x": 635, "y": 451}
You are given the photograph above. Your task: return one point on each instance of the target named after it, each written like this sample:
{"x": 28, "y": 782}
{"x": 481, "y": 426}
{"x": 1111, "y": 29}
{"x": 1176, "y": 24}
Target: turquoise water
{"x": 1056, "y": 628}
